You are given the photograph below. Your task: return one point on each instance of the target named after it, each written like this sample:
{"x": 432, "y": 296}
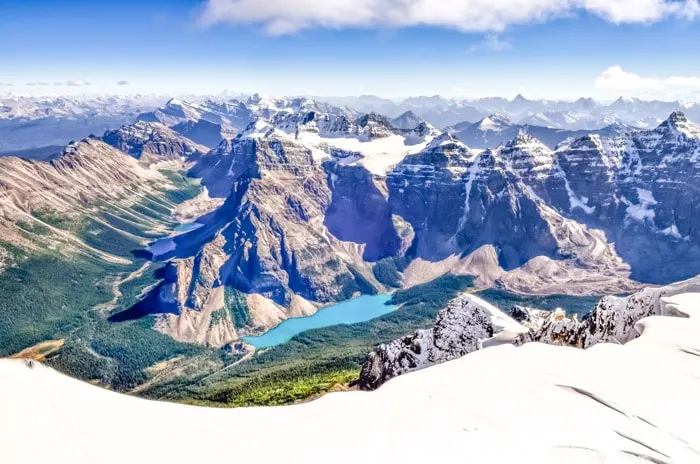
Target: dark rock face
{"x": 459, "y": 329}
{"x": 359, "y": 212}
{"x": 642, "y": 189}
{"x": 202, "y": 132}
{"x": 519, "y": 313}
{"x": 457, "y": 202}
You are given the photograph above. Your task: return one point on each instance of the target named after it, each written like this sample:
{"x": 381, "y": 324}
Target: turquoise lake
{"x": 352, "y": 311}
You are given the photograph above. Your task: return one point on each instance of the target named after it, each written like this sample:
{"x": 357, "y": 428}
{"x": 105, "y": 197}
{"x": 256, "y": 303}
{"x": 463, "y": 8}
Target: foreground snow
{"x": 637, "y": 402}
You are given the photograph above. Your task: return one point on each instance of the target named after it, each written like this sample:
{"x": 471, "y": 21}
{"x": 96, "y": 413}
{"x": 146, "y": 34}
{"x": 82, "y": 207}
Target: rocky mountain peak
{"x": 152, "y": 142}
{"x": 678, "y": 123}
{"x": 527, "y": 156}
{"x": 495, "y": 122}
{"x": 445, "y": 139}
{"x": 588, "y": 142}
{"x": 257, "y": 98}
{"x": 373, "y": 125}
{"x": 525, "y": 140}
{"x": 174, "y": 102}
{"x": 407, "y": 121}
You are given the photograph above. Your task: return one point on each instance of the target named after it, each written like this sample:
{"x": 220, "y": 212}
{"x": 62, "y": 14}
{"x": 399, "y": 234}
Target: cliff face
{"x": 289, "y": 233}
{"x": 613, "y": 320}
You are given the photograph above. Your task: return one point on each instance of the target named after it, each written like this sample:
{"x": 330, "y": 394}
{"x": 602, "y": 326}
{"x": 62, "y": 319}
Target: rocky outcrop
{"x": 153, "y": 142}
{"x": 459, "y": 329}
{"x": 613, "y": 320}
{"x": 468, "y": 324}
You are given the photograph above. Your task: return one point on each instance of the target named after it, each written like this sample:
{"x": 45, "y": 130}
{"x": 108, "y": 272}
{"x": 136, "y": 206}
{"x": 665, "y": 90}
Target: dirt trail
{"x": 116, "y": 293}
{"x": 248, "y": 355}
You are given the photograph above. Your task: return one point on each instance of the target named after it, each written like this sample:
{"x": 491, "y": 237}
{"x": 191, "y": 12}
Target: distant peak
{"x": 677, "y": 116}
{"x": 520, "y": 98}
{"x": 678, "y": 122}
{"x": 443, "y": 139}
{"x": 498, "y": 117}
{"x": 524, "y": 139}
{"x": 174, "y": 102}
{"x": 257, "y": 98}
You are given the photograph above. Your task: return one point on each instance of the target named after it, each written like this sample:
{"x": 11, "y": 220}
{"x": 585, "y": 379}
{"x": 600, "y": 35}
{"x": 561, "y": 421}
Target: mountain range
{"x": 40, "y": 122}
{"x": 301, "y": 204}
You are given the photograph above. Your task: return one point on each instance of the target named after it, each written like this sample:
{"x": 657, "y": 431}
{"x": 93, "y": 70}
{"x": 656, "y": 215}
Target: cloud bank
{"x": 616, "y": 79}
{"x": 280, "y": 17}
{"x": 71, "y": 83}
{"x": 77, "y": 83}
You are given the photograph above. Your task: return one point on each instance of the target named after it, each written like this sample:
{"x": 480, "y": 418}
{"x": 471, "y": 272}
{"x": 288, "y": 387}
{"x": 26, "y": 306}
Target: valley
{"x": 263, "y": 269}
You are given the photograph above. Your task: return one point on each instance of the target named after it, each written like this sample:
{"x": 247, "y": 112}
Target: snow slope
{"x": 538, "y": 403}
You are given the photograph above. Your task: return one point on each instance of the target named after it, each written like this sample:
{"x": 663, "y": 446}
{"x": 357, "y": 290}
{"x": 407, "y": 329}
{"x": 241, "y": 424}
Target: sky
{"x": 559, "y": 49}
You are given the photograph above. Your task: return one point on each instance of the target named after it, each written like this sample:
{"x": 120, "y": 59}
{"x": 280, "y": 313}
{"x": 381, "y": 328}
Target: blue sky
{"x": 307, "y": 47}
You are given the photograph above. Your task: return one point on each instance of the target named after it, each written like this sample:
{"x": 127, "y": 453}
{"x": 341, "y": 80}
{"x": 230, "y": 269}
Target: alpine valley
{"x": 146, "y": 258}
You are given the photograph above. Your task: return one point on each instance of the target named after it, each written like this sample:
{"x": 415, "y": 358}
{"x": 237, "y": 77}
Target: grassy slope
{"x": 49, "y": 295}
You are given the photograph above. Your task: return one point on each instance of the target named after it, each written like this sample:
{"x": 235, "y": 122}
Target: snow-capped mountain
{"x": 407, "y": 121}
{"x": 35, "y": 122}
{"x": 578, "y": 218}
{"x": 315, "y": 196}
{"x": 207, "y": 123}
{"x": 496, "y": 129}
{"x": 581, "y": 114}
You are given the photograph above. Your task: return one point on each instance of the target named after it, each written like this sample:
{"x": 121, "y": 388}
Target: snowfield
{"x": 379, "y": 155}
{"x": 538, "y": 403}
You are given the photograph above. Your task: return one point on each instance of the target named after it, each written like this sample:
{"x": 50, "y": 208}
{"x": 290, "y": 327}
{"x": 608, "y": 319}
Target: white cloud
{"x": 492, "y": 43}
{"x": 38, "y": 84}
{"x": 279, "y": 17}
{"x": 123, "y": 83}
{"x": 5, "y": 84}
{"x": 616, "y": 79}
{"x": 77, "y": 83}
